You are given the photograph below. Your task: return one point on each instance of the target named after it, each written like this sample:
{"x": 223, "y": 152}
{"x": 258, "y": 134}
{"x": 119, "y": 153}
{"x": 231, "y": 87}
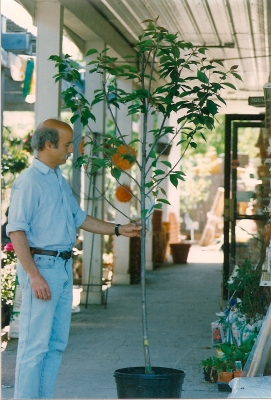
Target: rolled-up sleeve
{"x": 79, "y": 217}
{"x": 22, "y": 206}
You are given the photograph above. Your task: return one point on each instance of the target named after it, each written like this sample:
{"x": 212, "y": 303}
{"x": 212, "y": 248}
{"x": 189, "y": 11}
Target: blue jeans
{"x": 44, "y": 329}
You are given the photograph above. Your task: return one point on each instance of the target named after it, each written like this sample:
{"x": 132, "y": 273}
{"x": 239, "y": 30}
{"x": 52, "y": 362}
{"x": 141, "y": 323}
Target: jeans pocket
{"x": 23, "y": 277}
{"x": 44, "y": 262}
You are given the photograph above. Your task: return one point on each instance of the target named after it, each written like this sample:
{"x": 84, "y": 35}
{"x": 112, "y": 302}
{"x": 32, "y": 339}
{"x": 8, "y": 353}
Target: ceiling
{"x": 237, "y": 32}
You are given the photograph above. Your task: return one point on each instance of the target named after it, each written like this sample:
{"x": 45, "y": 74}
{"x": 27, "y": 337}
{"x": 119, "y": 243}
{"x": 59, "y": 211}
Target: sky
{"x": 12, "y": 10}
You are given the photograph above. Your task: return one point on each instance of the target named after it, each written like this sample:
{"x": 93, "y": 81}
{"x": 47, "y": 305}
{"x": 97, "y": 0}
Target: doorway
{"x": 246, "y": 184}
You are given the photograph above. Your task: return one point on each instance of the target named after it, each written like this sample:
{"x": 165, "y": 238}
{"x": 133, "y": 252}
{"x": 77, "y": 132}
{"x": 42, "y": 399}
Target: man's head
{"x": 52, "y": 141}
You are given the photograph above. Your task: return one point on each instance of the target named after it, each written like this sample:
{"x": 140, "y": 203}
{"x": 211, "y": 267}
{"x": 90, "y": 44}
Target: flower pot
{"x": 225, "y": 376}
{"x": 180, "y": 252}
{"x": 237, "y": 374}
{"x": 164, "y": 383}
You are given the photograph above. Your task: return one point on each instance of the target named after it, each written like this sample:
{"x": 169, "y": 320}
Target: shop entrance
{"x": 247, "y": 186}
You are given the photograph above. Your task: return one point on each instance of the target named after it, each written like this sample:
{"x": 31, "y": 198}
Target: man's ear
{"x": 48, "y": 145}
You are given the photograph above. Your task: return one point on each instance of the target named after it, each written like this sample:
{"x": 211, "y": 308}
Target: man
{"x": 42, "y": 222}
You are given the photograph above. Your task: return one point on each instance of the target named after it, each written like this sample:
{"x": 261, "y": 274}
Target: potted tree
{"x": 170, "y": 75}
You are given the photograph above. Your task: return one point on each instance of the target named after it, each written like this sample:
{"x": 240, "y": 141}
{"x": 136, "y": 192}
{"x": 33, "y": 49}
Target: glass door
{"x": 247, "y": 180}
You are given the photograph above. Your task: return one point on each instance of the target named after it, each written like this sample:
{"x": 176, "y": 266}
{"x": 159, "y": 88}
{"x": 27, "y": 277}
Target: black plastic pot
{"x": 5, "y": 314}
{"x": 207, "y": 376}
{"x": 133, "y": 383}
{"x": 223, "y": 387}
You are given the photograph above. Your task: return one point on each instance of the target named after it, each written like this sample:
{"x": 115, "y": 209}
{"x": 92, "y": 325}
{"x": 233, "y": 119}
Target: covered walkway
{"x": 182, "y": 302}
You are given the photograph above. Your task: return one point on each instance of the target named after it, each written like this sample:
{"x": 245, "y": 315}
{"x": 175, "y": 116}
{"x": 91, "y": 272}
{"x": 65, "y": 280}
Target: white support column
{"x": 49, "y": 22}
{"x": 121, "y": 274}
{"x": 93, "y": 243}
{"x": 149, "y": 234}
{"x": 173, "y": 192}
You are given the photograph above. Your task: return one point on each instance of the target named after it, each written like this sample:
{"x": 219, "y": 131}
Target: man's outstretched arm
{"x": 96, "y": 225}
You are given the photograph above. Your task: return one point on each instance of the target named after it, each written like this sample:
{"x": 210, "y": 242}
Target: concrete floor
{"x": 182, "y": 301}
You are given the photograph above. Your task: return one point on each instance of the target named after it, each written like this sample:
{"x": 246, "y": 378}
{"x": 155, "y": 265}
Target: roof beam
{"x": 90, "y": 17}
{"x": 93, "y": 20}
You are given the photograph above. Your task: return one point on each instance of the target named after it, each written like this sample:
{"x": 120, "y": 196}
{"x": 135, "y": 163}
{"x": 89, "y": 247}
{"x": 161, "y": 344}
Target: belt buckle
{"x": 65, "y": 255}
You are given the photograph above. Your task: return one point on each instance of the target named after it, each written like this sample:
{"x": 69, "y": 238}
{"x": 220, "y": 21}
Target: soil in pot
{"x": 164, "y": 383}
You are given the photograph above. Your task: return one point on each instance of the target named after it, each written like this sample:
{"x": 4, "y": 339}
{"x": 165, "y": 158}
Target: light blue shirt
{"x": 43, "y": 206}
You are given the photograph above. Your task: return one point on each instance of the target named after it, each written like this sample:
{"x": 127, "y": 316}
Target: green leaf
{"x": 152, "y": 154}
{"x": 179, "y": 174}
{"x": 148, "y": 184}
{"x": 174, "y": 180}
{"x": 163, "y": 191}
{"x": 81, "y": 161}
{"x": 74, "y": 118}
{"x": 55, "y": 58}
{"x": 158, "y": 206}
{"x": 229, "y": 85}
{"x": 116, "y": 172}
{"x": 167, "y": 163}
{"x": 163, "y": 201}
{"x": 202, "y": 50}
{"x": 212, "y": 107}
{"x": 202, "y": 77}
{"x": 237, "y": 76}
{"x": 218, "y": 62}
{"x": 105, "y": 50}
{"x": 221, "y": 99}
{"x": 99, "y": 162}
{"x": 158, "y": 172}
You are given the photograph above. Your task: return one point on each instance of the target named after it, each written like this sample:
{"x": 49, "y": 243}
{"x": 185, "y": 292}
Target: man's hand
{"x": 40, "y": 287}
{"x": 130, "y": 230}
{"x": 38, "y": 283}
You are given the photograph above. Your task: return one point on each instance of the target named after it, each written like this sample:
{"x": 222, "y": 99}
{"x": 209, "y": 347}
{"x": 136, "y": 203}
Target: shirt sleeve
{"x": 79, "y": 215}
{"x": 24, "y": 199}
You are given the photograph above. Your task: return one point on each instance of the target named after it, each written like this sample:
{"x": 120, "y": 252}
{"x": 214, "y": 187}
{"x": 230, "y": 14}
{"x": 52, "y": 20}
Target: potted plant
{"x": 170, "y": 75}
{"x": 229, "y": 364}
{"x": 245, "y": 285}
{"x": 207, "y": 367}
{"x": 235, "y": 356}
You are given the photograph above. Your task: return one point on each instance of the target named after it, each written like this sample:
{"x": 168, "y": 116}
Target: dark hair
{"x": 43, "y": 135}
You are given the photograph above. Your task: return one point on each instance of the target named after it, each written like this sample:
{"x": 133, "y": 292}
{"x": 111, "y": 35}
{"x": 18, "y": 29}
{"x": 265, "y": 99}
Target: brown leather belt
{"x": 65, "y": 255}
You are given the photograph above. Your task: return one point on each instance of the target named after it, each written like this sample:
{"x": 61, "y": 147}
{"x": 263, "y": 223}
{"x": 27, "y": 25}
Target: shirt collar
{"x": 42, "y": 167}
